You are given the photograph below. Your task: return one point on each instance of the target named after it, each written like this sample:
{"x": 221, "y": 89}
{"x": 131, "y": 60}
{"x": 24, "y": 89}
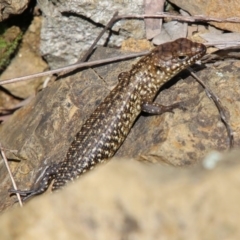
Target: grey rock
{"x": 70, "y": 27}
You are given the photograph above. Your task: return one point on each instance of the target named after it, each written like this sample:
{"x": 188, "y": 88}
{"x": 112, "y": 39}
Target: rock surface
{"x": 70, "y": 27}
{"x": 129, "y": 200}
{"x": 42, "y": 131}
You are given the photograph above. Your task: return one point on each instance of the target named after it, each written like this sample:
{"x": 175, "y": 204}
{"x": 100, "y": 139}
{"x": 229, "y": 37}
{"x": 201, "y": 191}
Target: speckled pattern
{"x": 108, "y": 126}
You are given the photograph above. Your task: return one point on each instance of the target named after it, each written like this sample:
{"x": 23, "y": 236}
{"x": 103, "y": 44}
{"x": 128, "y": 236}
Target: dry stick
{"x": 215, "y": 43}
{"x": 219, "y": 106}
{"x": 11, "y": 176}
{"x": 74, "y": 66}
{"x": 67, "y": 69}
{"x": 115, "y": 18}
{"x": 195, "y": 18}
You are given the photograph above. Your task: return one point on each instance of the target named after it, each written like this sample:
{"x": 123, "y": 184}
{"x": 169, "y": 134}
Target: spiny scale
{"x": 108, "y": 126}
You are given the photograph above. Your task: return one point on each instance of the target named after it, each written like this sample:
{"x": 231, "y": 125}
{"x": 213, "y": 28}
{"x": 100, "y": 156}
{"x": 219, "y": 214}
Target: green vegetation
{"x": 10, "y": 38}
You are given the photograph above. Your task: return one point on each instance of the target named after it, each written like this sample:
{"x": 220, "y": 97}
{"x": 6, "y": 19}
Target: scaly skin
{"x": 108, "y": 126}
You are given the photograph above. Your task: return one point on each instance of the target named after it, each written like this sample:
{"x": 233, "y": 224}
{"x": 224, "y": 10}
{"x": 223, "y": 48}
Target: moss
{"x": 9, "y": 41}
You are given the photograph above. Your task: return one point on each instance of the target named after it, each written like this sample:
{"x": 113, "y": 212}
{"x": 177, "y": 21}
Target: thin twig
{"x": 74, "y": 66}
{"x": 11, "y": 176}
{"x": 219, "y": 106}
{"x": 115, "y": 18}
{"x": 195, "y": 18}
{"x": 225, "y": 43}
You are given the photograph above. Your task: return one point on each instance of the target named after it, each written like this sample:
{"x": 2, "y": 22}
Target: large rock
{"x": 129, "y": 200}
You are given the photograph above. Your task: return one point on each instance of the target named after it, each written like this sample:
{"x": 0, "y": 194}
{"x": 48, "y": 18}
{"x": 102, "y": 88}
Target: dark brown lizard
{"x": 108, "y": 126}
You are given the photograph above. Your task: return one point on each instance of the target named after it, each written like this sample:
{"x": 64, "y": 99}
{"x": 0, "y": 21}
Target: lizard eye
{"x": 182, "y": 57}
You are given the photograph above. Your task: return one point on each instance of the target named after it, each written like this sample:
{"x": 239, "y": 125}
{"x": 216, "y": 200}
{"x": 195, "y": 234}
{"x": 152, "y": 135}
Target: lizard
{"x": 107, "y": 127}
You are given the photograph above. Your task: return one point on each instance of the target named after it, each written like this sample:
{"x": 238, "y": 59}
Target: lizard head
{"x": 172, "y": 57}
